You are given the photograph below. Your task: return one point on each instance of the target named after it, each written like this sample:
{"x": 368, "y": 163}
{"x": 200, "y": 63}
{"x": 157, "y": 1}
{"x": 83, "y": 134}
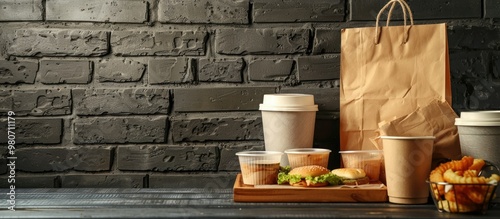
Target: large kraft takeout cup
{"x": 407, "y": 162}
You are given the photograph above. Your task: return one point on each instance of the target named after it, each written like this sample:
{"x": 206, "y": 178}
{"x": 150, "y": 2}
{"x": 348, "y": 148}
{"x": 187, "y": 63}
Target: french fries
{"x": 457, "y": 186}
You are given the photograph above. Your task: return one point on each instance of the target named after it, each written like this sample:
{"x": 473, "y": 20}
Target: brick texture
{"x": 59, "y": 42}
{"x": 203, "y": 11}
{"x": 62, "y": 159}
{"x": 167, "y": 158}
{"x": 12, "y": 72}
{"x": 65, "y": 71}
{"x": 216, "y": 128}
{"x": 133, "y": 43}
{"x": 219, "y": 99}
{"x": 34, "y": 131}
{"x": 238, "y": 41}
{"x": 123, "y": 11}
{"x": 119, "y": 70}
{"x": 120, "y": 130}
{"x": 163, "y": 93}
{"x": 270, "y": 69}
{"x": 298, "y": 11}
{"x": 21, "y": 10}
{"x": 220, "y": 70}
{"x": 121, "y": 101}
{"x": 36, "y": 102}
{"x": 170, "y": 71}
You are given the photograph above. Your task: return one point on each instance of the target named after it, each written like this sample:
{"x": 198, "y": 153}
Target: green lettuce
{"x": 284, "y": 177}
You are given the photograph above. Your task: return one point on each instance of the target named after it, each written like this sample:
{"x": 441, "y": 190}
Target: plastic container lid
{"x": 288, "y": 102}
{"x": 479, "y": 118}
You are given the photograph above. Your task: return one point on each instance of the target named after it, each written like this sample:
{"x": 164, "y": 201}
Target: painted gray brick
{"x": 21, "y": 10}
{"x": 203, "y": 11}
{"x": 63, "y": 159}
{"x": 175, "y": 42}
{"x": 36, "y": 102}
{"x": 65, "y": 71}
{"x": 169, "y": 71}
{"x": 119, "y": 70}
{"x": 270, "y": 69}
{"x": 123, "y": 11}
{"x": 239, "y": 41}
{"x": 220, "y": 70}
{"x": 12, "y": 72}
{"x": 316, "y": 68}
{"x": 298, "y": 11}
{"x": 219, "y": 99}
{"x": 122, "y": 180}
{"x": 228, "y": 159}
{"x": 34, "y": 131}
{"x": 492, "y": 8}
{"x": 121, "y": 101}
{"x": 145, "y": 129}
{"x": 59, "y": 42}
{"x": 326, "y": 41}
{"x": 422, "y": 9}
{"x": 473, "y": 37}
{"x": 328, "y": 99}
{"x": 206, "y": 181}
{"x": 217, "y": 128}
{"x": 477, "y": 91}
{"x": 167, "y": 158}
{"x": 30, "y": 181}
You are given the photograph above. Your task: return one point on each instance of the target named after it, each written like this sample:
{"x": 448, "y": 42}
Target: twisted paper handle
{"x": 406, "y": 8}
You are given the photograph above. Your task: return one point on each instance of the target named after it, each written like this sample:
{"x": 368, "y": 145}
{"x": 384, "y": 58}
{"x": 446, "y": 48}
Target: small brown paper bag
{"x": 436, "y": 119}
{"x": 389, "y": 72}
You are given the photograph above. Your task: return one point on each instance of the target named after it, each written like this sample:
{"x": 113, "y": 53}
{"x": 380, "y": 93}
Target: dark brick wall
{"x": 162, "y": 93}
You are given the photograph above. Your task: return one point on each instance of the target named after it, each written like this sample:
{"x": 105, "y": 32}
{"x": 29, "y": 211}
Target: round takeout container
{"x": 259, "y": 167}
{"x": 298, "y": 157}
{"x": 288, "y": 102}
{"x": 368, "y": 160}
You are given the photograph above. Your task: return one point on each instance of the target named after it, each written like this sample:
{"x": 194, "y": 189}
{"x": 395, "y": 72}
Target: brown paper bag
{"x": 388, "y": 72}
{"x": 436, "y": 119}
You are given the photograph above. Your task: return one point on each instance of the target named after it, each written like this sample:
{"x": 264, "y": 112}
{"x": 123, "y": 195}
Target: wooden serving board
{"x": 287, "y": 193}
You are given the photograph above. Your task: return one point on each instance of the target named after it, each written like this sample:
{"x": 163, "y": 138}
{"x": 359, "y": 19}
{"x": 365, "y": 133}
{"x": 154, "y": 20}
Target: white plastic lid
{"x": 288, "y": 102}
{"x": 407, "y": 137}
{"x": 479, "y": 118}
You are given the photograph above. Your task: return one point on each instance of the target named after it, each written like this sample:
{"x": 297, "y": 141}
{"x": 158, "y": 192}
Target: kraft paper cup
{"x": 259, "y": 167}
{"x": 308, "y": 156}
{"x": 407, "y": 166}
{"x": 368, "y": 160}
{"x": 288, "y": 122}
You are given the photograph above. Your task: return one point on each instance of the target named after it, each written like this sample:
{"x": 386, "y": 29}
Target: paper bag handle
{"x": 405, "y": 8}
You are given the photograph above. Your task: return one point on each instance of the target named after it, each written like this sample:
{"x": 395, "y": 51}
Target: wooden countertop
{"x": 195, "y": 203}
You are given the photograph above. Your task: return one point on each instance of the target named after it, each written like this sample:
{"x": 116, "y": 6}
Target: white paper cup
{"x": 407, "y": 167}
{"x": 368, "y": 160}
{"x": 259, "y": 167}
{"x": 298, "y": 157}
{"x": 288, "y": 121}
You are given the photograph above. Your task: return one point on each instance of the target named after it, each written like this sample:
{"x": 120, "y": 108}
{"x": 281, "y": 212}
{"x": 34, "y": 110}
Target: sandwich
{"x": 351, "y": 176}
{"x": 309, "y": 176}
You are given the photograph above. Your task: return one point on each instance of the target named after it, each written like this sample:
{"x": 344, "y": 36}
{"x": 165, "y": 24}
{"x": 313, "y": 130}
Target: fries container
{"x": 454, "y": 197}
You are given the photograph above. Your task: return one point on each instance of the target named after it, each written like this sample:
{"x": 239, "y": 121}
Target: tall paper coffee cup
{"x": 407, "y": 166}
{"x": 288, "y": 122}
